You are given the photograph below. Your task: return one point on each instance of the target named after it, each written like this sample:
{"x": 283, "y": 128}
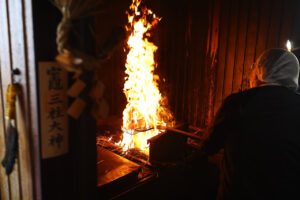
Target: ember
{"x": 145, "y": 109}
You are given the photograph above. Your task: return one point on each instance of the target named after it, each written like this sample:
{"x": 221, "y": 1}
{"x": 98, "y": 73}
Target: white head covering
{"x": 278, "y": 67}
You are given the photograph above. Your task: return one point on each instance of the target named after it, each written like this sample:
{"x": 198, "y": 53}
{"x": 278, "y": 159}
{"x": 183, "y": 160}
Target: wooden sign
{"x": 53, "y": 85}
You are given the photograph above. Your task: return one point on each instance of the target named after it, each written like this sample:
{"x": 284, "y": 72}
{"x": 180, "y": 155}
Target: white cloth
{"x": 278, "y": 67}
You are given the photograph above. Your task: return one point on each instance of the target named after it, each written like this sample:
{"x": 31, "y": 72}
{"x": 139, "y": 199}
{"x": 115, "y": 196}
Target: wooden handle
{"x": 191, "y": 135}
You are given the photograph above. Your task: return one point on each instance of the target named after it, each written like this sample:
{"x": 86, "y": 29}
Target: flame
{"x": 145, "y": 110}
{"x": 289, "y": 45}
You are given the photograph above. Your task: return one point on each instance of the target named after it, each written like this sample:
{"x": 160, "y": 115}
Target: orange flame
{"x": 145, "y": 109}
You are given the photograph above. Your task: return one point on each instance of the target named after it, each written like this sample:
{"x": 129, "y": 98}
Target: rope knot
{"x": 63, "y": 31}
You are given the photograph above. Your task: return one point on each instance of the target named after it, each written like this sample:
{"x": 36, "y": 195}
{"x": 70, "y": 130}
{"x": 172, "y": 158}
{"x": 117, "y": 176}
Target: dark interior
{"x": 205, "y": 51}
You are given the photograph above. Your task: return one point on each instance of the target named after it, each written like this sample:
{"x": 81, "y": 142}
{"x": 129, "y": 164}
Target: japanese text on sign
{"x": 53, "y": 104}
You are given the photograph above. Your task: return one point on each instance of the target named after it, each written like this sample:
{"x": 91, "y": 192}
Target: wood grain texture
{"x": 244, "y": 13}
{"x": 4, "y": 184}
{"x": 251, "y": 42}
{"x": 231, "y": 48}
{"x": 6, "y": 64}
{"x": 4, "y": 67}
{"x": 275, "y": 24}
{"x": 254, "y": 31}
{"x": 18, "y": 52}
{"x": 4, "y": 181}
{"x": 286, "y": 22}
{"x": 264, "y": 23}
{"x": 295, "y": 26}
{"x": 211, "y": 55}
{"x": 19, "y": 62}
{"x": 224, "y": 32}
{"x": 31, "y": 77}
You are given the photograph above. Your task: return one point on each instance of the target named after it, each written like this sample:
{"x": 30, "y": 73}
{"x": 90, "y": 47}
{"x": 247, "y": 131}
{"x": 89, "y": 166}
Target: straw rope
{"x": 73, "y": 59}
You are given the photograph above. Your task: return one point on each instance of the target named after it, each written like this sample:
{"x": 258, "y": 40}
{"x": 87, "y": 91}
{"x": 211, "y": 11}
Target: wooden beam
{"x": 275, "y": 22}
{"x": 211, "y": 54}
{"x": 252, "y": 34}
{"x": 231, "y": 48}
{"x": 18, "y": 55}
{"x": 241, "y": 46}
{"x": 264, "y": 23}
{"x": 6, "y": 66}
{"x": 224, "y": 27}
{"x": 33, "y": 118}
{"x": 285, "y": 28}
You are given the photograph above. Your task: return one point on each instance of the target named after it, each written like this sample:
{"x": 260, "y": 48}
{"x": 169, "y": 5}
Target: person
{"x": 259, "y": 131}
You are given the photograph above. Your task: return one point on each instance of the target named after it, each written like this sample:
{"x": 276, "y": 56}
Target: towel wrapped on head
{"x": 276, "y": 67}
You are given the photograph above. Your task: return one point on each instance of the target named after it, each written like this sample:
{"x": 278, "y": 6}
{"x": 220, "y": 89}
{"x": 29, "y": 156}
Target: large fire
{"x": 145, "y": 112}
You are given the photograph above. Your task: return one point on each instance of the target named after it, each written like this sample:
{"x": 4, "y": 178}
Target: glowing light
{"x": 289, "y": 45}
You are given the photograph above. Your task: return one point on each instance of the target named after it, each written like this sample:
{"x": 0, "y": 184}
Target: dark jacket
{"x": 259, "y": 130}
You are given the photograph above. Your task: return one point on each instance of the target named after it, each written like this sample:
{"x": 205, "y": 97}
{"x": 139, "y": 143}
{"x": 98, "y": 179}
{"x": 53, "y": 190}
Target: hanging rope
{"x": 73, "y": 59}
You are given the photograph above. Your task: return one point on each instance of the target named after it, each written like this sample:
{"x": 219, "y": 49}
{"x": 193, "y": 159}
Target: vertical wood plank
{"x": 252, "y": 34}
{"x": 4, "y": 184}
{"x": 231, "y": 49}
{"x": 211, "y": 54}
{"x": 4, "y": 67}
{"x": 188, "y": 61}
{"x": 4, "y": 181}
{"x": 180, "y": 64}
{"x": 295, "y": 27}
{"x": 6, "y": 63}
{"x": 285, "y": 29}
{"x": 183, "y": 72}
{"x": 201, "y": 67}
{"x": 19, "y": 61}
{"x": 166, "y": 75}
{"x": 241, "y": 46}
{"x": 32, "y": 99}
{"x": 275, "y": 22}
{"x": 200, "y": 63}
{"x": 224, "y": 27}
{"x": 85, "y": 179}
{"x": 264, "y": 23}
{"x": 170, "y": 44}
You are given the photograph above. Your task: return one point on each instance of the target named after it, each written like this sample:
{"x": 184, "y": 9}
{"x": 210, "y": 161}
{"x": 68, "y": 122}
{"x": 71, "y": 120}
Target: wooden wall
{"x": 247, "y": 28}
{"x": 17, "y": 51}
{"x": 205, "y": 49}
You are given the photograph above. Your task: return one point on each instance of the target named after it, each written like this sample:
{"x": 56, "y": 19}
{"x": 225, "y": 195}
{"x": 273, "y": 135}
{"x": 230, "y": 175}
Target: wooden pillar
{"x": 17, "y": 51}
